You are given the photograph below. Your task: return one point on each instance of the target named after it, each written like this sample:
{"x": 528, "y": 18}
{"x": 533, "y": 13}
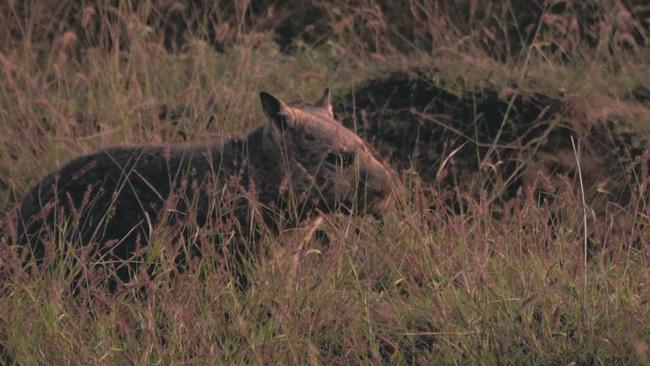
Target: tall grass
{"x": 498, "y": 283}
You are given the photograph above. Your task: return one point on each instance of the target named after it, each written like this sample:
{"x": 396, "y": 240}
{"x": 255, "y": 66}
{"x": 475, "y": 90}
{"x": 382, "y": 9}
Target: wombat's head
{"x": 328, "y": 167}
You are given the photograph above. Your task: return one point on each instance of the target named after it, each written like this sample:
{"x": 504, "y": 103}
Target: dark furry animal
{"x": 299, "y": 164}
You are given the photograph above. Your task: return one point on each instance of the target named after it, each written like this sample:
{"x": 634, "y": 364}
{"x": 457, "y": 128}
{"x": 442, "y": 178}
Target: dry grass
{"x": 497, "y": 283}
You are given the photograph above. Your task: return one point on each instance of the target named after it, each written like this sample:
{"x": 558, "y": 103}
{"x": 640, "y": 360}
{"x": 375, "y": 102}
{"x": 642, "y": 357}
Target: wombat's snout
{"x": 379, "y": 187}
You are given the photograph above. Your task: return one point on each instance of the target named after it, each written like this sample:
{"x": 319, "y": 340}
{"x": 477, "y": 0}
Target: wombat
{"x": 299, "y": 164}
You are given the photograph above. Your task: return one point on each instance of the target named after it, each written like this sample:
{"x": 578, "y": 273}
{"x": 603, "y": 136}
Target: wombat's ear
{"x": 325, "y": 102}
{"x": 274, "y": 108}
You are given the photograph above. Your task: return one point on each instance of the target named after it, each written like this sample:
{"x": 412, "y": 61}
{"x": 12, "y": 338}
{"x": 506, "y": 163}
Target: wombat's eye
{"x": 343, "y": 159}
{"x": 309, "y": 137}
{"x": 347, "y": 159}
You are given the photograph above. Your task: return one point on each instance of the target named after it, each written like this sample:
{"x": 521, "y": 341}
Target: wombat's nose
{"x": 381, "y": 200}
{"x": 379, "y": 185}
{"x": 383, "y": 191}
{"x": 389, "y": 181}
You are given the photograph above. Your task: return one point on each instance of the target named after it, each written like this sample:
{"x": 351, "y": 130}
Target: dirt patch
{"x": 499, "y": 141}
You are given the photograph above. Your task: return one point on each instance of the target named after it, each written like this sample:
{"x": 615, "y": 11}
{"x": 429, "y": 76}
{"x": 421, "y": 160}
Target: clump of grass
{"x": 492, "y": 283}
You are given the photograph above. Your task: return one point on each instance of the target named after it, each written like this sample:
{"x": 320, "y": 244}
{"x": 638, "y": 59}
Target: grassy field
{"x": 505, "y": 244}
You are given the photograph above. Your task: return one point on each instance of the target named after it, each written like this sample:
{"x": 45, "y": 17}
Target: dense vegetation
{"x": 519, "y": 233}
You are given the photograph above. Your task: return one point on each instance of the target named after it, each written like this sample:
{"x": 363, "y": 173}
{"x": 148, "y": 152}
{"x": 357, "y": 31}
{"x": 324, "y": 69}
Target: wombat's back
{"x": 116, "y": 194}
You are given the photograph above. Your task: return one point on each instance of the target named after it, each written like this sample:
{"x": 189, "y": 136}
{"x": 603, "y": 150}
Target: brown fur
{"x": 297, "y": 165}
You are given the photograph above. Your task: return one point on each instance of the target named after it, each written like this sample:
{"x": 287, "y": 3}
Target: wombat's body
{"x": 298, "y": 164}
